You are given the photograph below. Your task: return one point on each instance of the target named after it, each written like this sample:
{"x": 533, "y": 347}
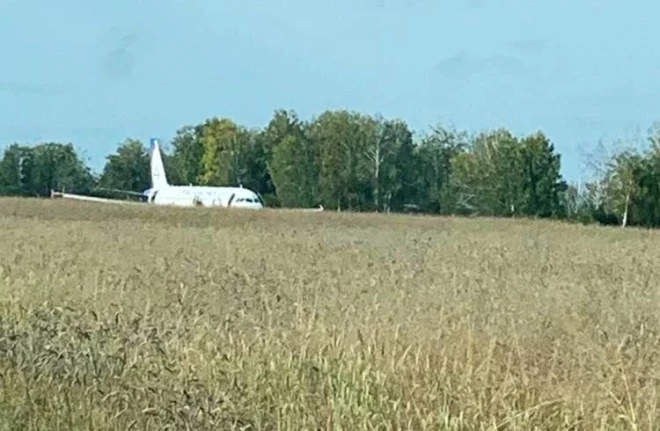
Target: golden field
{"x": 131, "y": 317}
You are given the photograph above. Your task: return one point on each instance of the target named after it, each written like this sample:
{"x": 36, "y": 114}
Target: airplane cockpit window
{"x": 250, "y": 199}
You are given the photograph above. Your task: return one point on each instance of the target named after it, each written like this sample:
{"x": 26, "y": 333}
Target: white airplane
{"x": 162, "y": 193}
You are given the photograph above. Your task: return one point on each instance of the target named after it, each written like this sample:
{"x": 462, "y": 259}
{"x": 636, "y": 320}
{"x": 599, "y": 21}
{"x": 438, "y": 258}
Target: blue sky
{"x": 94, "y": 73}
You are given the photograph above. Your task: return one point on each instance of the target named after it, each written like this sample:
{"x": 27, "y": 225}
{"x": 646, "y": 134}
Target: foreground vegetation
{"x": 142, "y": 318}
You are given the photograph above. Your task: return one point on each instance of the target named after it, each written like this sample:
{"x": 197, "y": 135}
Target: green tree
{"x": 284, "y": 126}
{"x": 187, "y": 154}
{"x": 294, "y": 171}
{"x": 542, "y": 182}
{"x": 128, "y": 169}
{"x": 218, "y": 138}
{"x": 486, "y": 179}
{"x": 56, "y": 166}
{"x": 631, "y": 183}
{"x": 343, "y": 138}
{"x": 232, "y": 156}
{"x": 501, "y": 175}
{"x": 648, "y": 182}
{"x": 433, "y": 163}
{"x": 12, "y": 170}
{"x": 389, "y": 157}
{"x": 622, "y": 184}
{"x": 257, "y": 160}
{"x": 36, "y": 170}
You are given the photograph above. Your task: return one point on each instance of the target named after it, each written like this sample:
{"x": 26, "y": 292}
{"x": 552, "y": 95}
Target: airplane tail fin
{"x": 158, "y": 177}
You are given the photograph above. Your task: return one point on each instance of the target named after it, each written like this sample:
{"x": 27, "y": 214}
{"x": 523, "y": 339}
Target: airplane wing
{"x": 60, "y": 195}
{"x": 305, "y": 210}
{"x": 124, "y": 192}
{"x": 312, "y": 210}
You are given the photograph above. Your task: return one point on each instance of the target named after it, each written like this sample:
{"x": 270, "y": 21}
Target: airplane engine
{"x": 151, "y": 196}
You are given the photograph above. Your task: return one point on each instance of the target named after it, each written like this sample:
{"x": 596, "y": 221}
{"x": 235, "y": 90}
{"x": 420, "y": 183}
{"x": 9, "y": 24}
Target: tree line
{"x": 346, "y": 160}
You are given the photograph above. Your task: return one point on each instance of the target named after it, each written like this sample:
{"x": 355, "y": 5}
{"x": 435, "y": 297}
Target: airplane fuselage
{"x": 228, "y": 197}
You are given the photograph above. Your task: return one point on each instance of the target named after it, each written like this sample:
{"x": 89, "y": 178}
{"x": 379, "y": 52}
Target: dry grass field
{"x": 121, "y": 317}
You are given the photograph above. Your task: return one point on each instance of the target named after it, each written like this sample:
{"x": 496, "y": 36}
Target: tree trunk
{"x": 624, "y": 222}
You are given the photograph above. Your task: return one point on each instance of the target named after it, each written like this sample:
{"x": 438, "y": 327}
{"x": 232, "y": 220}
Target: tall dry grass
{"x": 122, "y": 318}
